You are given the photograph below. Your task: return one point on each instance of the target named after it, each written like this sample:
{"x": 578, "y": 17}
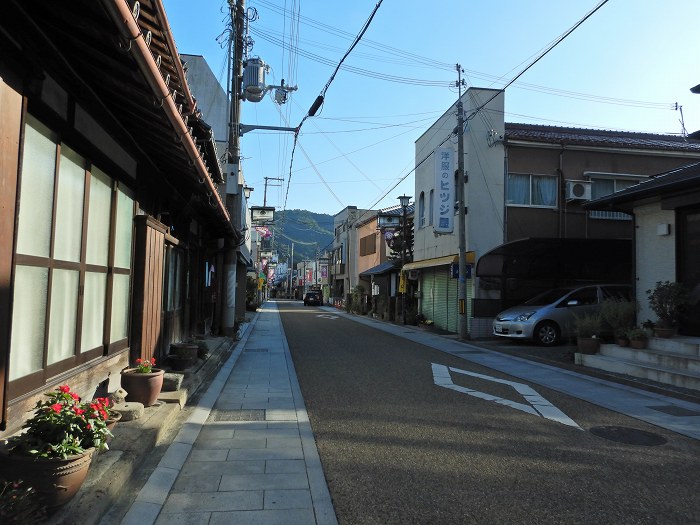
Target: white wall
{"x": 484, "y": 165}
{"x": 211, "y": 97}
{"x": 655, "y": 254}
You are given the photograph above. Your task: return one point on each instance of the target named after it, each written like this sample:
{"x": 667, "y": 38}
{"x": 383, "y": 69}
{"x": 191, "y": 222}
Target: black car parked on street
{"x": 313, "y": 298}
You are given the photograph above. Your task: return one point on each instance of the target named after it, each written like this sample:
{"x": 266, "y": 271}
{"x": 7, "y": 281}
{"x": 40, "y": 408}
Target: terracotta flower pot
{"x": 179, "y": 363}
{"x": 55, "y": 480}
{"x": 638, "y": 344}
{"x": 113, "y": 419}
{"x": 142, "y": 388}
{"x": 663, "y": 332}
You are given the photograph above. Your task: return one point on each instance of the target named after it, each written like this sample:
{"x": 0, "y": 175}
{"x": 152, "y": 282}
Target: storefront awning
{"x": 380, "y": 269}
{"x": 439, "y": 261}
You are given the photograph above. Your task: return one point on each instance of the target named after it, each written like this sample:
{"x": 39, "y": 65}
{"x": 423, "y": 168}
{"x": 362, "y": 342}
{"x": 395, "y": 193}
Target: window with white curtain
{"x": 531, "y": 190}
{"x": 63, "y": 274}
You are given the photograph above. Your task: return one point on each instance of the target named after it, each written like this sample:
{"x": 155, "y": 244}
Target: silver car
{"x": 550, "y": 316}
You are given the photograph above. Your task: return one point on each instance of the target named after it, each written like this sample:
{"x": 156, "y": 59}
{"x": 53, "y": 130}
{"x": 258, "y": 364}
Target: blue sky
{"x": 625, "y": 68}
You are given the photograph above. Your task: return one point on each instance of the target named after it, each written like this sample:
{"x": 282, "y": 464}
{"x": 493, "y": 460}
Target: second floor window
{"x": 368, "y": 246}
{"x": 605, "y": 185}
{"x": 430, "y": 207}
{"x": 421, "y": 210}
{"x": 532, "y": 190}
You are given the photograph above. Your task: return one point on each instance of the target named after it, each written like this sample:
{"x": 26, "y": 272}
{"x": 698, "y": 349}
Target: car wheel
{"x": 547, "y": 333}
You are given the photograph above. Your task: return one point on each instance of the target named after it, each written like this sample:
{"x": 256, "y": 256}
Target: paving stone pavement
{"x": 246, "y": 454}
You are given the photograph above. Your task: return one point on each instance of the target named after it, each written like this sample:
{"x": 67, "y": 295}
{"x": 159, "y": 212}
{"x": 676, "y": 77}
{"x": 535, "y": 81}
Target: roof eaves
{"x": 671, "y": 181}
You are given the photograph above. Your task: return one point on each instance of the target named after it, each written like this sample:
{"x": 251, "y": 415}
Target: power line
{"x": 319, "y": 100}
{"x": 479, "y": 108}
{"x": 539, "y": 57}
{"x": 413, "y": 60}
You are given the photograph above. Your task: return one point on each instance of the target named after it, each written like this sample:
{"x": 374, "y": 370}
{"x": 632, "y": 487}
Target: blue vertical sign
{"x": 444, "y": 209}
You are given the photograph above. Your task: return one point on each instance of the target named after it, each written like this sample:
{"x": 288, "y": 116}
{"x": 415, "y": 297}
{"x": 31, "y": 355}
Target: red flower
{"x": 138, "y": 361}
{"x": 65, "y": 389}
{"x": 56, "y": 407}
{"x": 75, "y": 396}
{"x": 78, "y": 411}
{"x": 153, "y": 360}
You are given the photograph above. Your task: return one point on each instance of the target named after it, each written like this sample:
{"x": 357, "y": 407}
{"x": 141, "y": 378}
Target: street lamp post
{"x": 403, "y": 200}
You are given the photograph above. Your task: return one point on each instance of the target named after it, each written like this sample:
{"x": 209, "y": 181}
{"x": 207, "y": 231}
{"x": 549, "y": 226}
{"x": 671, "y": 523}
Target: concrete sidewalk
{"x": 246, "y": 454}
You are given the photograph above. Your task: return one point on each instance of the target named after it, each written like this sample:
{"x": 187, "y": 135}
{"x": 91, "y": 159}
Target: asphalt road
{"x": 398, "y": 448}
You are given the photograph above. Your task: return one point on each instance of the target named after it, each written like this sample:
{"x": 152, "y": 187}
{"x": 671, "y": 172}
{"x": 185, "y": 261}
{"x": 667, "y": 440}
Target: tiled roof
{"x": 599, "y": 137}
{"x": 397, "y": 210}
{"x": 380, "y": 269}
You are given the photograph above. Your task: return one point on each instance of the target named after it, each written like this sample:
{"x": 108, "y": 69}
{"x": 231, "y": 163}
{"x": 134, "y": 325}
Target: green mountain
{"x": 311, "y": 233}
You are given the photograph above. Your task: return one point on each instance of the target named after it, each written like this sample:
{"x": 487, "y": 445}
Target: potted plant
{"x": 618, "y": 315}
{"x": 668, "y": 301}
{"x": 588, "y": 327}
{"x": 638, "y": 337}
{"x": 621, "y": 337}
{"x": 55, "y": 450}
{"x": 143, "y": 382}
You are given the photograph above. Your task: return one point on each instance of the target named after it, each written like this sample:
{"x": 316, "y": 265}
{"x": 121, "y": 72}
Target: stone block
{"x": 172, "y": 382}
{"x": 118, "y": 396}
{"x": 130, "y": 410}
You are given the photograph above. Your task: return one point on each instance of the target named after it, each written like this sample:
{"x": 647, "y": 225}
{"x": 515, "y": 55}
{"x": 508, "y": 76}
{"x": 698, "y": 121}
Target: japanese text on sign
{"x": 444, "y": 215}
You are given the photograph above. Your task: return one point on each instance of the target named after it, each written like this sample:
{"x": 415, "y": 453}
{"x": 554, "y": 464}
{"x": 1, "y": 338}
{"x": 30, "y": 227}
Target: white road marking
{"x": 326, "y": 316}
{"x": 537, "y": 405}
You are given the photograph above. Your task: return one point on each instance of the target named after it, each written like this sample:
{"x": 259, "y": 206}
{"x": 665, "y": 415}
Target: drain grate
{"x": 673, "y": 410}
{"x": 237, "y": 415}
{"x": 629, "y": 436}
{"x": 256, "y": 349}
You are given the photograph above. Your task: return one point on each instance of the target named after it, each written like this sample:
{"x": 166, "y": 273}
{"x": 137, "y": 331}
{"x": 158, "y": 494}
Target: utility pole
{"x": 233, "y": 195}
{"x": 404, "y": 200}
{"x": 265, "y": 194}
{"x": 462, "y": 285}
{"x": 291, "y": 271}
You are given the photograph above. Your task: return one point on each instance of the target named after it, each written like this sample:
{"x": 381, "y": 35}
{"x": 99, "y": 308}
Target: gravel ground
{"x": 396, "y": 448}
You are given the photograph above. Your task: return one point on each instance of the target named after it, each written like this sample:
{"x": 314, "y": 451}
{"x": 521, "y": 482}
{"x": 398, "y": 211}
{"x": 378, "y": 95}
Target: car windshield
{"x": 547, "y": 297}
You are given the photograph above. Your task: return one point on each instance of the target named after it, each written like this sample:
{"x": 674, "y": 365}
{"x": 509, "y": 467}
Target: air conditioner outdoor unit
{"x": 578, "y": 190}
